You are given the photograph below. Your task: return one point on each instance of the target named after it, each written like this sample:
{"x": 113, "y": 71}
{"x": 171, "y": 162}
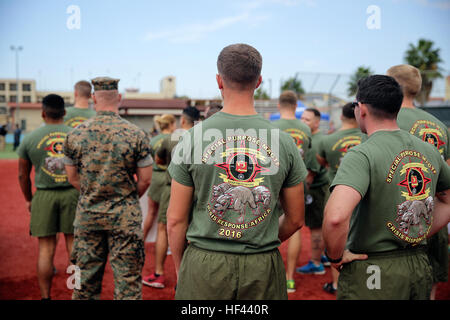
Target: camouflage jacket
{"x": 107, "y": 150}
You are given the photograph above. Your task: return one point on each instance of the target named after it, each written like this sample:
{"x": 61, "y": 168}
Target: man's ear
{"x": 93, "y": 98}
{"x": 120, "y": 97}
{"x": 219, "y": 81}
{"x": 259, "y": 82}
{"x": 43, "y": 114}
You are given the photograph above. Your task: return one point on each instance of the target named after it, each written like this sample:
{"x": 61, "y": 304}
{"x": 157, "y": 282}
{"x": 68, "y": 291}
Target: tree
{"x": 360, "y": 73}
{"x": 261, "y": 94}
{"x": 425, "y": 58}
{"x": 293, "y": 84}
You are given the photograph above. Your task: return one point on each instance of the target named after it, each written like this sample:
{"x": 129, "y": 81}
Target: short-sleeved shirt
{"x": 107, "y": 150}
{"x": 44, "y": 148}
{"x": 75, "y": 116}
{"x": 426, "y": 127}
{"x": 155, "y": 144}
{"x": 334, "y": 147}
{"x": 321, "y": 178}
{"x": 237, "y": 166}
{"x": 397, "y": 176}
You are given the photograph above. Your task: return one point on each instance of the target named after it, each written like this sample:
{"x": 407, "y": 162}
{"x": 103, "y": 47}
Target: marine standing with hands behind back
{"x": 102, "y": 155}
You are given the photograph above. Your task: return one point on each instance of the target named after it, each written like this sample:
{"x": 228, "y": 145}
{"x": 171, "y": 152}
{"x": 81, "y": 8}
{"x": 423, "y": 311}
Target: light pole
{"x": 16, "y": 50}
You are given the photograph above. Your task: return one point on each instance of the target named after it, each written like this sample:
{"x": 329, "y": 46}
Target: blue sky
{"x": 140, "y": 42}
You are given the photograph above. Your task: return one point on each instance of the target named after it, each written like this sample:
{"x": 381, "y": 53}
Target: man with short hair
{"x": 212, "y": 109}
{"x": 391, "y": 180}
{"x": 53, "y": 205}
{"x": 429, "y": 129}
{"x": 102, "y": 157}
{"x": 316, "y": 198}
{"x": 301, "y": 133}
{"x": 330, "y": 152}
{"x": 80, "y": 112}
{"x": 227, "y": 175}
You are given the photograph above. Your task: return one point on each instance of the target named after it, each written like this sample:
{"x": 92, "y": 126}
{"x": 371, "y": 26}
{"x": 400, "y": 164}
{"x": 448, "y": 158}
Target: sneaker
{"x": 328, "y": 287}
{"x": 311, "y": 268}
{"x": 325, "y": 261}
{"x": 154, "y": 280}
{"x": 290, "y": 286}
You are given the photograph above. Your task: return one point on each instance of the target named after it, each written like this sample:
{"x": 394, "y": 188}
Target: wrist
{"x": 333, "y": 260}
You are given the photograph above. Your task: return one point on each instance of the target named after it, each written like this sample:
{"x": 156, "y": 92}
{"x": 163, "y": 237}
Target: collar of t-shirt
{"x": 106, "y": 113}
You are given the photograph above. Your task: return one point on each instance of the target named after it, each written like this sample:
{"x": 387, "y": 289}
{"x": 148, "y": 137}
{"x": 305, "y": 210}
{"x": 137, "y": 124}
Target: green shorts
{"x": 53, "y": 211}
{"x": 315, "y": 201}
{"x": 210, "y": 275}
{"x": 164, "y": 204}
{"x": 438, "y": 255}
{"x": 159, "y": 180}
{"x": 395, "y": 275}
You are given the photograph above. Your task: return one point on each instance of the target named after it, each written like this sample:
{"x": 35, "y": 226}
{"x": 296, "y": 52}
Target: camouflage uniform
{"x": 107, "y": 150}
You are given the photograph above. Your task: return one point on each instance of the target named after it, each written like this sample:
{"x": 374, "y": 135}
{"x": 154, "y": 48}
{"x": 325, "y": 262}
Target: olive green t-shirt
{"x": 397, "y": 176}
{"x": 155, "y": 144}
{"x": 334, "y": 147}
{"x": 426, "y": 127}
{"x": 321, "y": 177}
{"x": 237, "y": 166}
{"x": 44, "y": 148}
{"x": 75, "y": 116}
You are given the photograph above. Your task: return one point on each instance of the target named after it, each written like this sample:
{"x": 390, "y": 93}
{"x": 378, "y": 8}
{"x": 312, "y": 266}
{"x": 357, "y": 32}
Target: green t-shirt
{"x": 334, "y": 147}
{"x": 75, "y": 116}
{"x": 155, "y": 144}
{"x": 397, "y": 176}
{"x": 44, "y": 148}
{"x": 237, "y": 166}
{"x": 321, "y": 177}
{"x": 426, "y": 127}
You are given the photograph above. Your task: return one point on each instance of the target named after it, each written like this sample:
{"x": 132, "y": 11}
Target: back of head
{"x": 213, "y": 108}
{"x": 191, "y": 114}
{"x": 382, "y": 94}
{"x": 288, "y": 99}
{"x": 408, "y": 77}
{"x": 348, "y": 111}
{"x": 83, "y": 89}
{"x": 53, "y": 106}
{"x": 165, "y": 121}
{"x": 240, "y": 66}
{"x": 106, "y": 93}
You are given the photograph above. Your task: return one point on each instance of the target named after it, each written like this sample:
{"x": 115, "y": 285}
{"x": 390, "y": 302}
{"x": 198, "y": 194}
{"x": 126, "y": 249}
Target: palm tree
{"x": 293, "y": 84}
{"x": 426, "y": 59}
{"x": 360, "y": 73}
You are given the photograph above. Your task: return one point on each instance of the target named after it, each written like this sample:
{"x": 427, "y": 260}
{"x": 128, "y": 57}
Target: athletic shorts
{"x": 159, "y": 180}
{"x": 315, "y": 201}
{"x": 394, "y": 275}
{"x": 53, "y": 211}
{"x": 210, "y": 275}
{"x": 438, "y": 255}
{"x": 164, "y": 204}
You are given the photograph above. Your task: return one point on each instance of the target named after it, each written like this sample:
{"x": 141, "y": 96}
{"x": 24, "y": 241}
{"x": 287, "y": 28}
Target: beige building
{"x": 9, "y": 92}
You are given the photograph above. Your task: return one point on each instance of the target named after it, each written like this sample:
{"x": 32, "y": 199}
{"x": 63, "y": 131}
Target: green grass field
{"x": 8, "y": 153}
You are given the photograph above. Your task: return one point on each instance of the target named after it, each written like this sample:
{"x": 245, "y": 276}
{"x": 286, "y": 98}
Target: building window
{"x": 2, "y": 86}
{"x": 13, "y": 86}
{"x": 26, "y": 98}
{"x": 12, "y": 98}
{"x": 26, "y": 87}
{"x": 2, "y": 98}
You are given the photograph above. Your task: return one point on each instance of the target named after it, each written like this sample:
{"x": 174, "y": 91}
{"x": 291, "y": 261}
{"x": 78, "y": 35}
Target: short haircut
{"x": 408, "y": 77}
{"x": 240, "y": 66}
{"x": 288, "y": 98}
{"x": 53, "y": 106}
{"x": 213, "y": 108}
{"x": 191, "y": 114}
{"x": 315, "y": 111}
{"x": 383, "y": 95}
{"x": 83, "y": 88}
{"x": 348, "y": 110}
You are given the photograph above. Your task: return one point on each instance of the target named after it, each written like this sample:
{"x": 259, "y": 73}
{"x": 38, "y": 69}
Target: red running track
{"x": 18, "y": 252}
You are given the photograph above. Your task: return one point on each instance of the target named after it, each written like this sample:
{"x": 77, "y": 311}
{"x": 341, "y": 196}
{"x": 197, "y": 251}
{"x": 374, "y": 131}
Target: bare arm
{"x": 144, "y": 177}
{"x": 441, "y": 212}
{"x": 25, "y": 180}
{"x": 322, "y": 161}
{"x": 72, "y": 176}
{"x": 336, "y": 222}
{"x": 293, "y": 203}
{"x": 178, "y": 220}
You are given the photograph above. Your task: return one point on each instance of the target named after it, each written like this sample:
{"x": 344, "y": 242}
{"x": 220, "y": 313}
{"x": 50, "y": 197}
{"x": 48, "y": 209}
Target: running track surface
{"x": 18, "y": 252}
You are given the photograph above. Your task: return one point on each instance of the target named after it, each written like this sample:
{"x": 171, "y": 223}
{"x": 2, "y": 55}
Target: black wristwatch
{"x": 333, "y": 260}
